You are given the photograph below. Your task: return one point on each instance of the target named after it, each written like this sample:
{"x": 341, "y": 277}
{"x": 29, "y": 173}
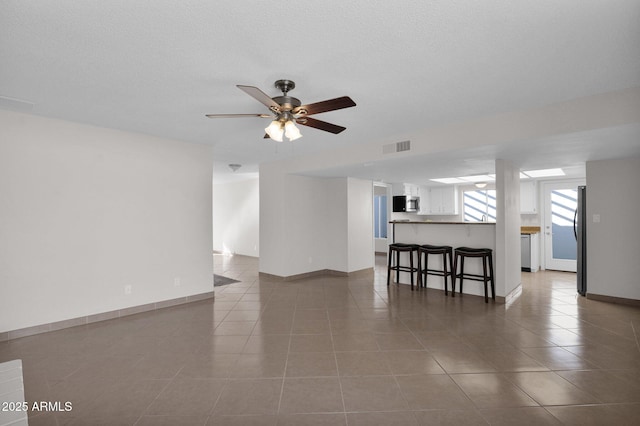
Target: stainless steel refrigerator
{"x": 580, "y": 231}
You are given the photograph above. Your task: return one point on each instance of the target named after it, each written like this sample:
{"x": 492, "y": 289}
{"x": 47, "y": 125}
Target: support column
{"x": 507, "y": 267}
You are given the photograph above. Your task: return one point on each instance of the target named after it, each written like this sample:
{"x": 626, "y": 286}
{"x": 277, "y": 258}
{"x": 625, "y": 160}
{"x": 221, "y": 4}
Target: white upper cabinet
{"x": 443, "y": 200}
{"x": 528, "y": 197}
{"x": 405, "y": 189}
{"x": 424, "y": 200}
{"x": 397, "y": 188}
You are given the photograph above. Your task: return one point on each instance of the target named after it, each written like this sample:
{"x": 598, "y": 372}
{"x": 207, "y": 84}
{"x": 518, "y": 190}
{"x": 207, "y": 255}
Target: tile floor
{"x": 338, "y": 351}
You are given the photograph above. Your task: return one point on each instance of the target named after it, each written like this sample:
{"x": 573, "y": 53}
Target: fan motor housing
{"x": 287, "y": 103}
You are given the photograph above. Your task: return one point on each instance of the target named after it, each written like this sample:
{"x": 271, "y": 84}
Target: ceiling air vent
{"x": 396, "y": 147}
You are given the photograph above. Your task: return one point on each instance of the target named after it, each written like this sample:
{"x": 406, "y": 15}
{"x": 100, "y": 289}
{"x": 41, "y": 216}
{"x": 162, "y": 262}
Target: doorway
{"x": 380, "y": 218}
{"x": 560, "y": 203}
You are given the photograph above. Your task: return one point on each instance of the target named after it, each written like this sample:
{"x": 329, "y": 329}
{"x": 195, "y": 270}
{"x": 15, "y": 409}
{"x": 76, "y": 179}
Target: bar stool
{"x": 398, "y": 248}
{"x": 447, "y": 266}
{"x": 486, "y": 255}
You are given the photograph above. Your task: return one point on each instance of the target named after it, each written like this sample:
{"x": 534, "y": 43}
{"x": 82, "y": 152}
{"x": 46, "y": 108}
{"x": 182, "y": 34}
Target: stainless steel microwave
{"x": 406, "y": 204}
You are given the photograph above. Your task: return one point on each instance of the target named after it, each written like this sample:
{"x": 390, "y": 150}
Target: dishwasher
{"x": 525, "y": 246}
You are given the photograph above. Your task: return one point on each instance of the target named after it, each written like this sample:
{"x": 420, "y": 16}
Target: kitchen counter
{"x": 528, "y": 230}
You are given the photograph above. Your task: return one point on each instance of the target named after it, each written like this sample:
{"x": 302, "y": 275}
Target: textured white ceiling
{"x": 158, "y": 66}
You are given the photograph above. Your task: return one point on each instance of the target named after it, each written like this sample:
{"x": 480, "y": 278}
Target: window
{"x": 380, "y": 216}
{"x": 479, "y": 205}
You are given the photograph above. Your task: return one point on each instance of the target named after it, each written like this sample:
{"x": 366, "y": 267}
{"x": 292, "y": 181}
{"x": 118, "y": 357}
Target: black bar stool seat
{"x": 486, "y": 255}
{"x": 447, "y": 265}
{"x": 398, "y": 248}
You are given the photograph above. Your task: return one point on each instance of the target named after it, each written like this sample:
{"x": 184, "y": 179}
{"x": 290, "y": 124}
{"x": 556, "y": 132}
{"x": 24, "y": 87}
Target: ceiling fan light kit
{"x": 274, "y": 130}
{"x": 291, "y": 131}
{"x": 288, "y": 111}
{"x": 283, "y": 124}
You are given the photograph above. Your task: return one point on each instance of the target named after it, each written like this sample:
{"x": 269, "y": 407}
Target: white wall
{"x": 293, "y": 222}
{"x": 613, "y": 244}
{"x": 236, "y": 217}
{"x": 308, "y": 224}
{"x": 272, "y": 219}
{"x": 360, "y": 224}
{"x": 335, "y": 223}
{"x": 508, "y": 261}
{"x": 85, "y": 211}
{"x": 306, "y": 230}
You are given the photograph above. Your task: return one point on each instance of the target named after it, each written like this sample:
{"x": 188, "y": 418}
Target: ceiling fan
{"x": 287, "y": 110}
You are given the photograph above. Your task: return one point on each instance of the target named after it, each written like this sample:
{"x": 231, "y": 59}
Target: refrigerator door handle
{"x": 575, "y": 224}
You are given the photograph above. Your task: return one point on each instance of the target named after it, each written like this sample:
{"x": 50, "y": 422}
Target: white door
{"x": 561, "y": 201}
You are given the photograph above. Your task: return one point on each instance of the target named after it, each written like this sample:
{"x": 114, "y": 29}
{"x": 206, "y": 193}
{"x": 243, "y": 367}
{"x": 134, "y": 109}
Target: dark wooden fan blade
{"x": 266, "y": 136}
{"x": 238, "y": 115}
{"x": 325, "y": 106}
{"x": 322, "y": 125}
{"x": 260, "y": 96}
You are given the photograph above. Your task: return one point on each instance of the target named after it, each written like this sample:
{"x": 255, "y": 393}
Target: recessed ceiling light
{"x": 477, "y": 178}
{"x": 544, "y": 173}
{"x": 448, "y": 180}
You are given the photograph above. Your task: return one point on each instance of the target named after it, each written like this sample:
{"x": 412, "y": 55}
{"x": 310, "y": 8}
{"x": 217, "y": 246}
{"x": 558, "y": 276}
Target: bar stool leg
{"x": 411, "y": 267}
{"x": 444, "y": 267}
{"x": 426, "y": 269}
{"x": 397, "y": 264}
{"x": 455, "y": 275}
{"x": 453, "y": 272}
{"x": 461, "y": 273}
{"x": 493, "y": 286}
{"x": 419, "y": 269}
{"x": 422, "y": 268}
{"x": 485, "y": 278}
{"x": 389, "y": 266}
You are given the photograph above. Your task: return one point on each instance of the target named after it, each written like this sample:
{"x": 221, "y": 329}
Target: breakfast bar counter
{"x": 454, "y": 234}
{"x": 417, "y": 222}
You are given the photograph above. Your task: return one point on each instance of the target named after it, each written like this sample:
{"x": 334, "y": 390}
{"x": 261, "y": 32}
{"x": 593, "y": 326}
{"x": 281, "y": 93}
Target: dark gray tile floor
{"x": 340, "y": 351}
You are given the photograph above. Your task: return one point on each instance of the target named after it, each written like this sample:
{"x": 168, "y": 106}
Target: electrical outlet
{"x": 310, "y": 259}
{"x": 176, "y": 282}
{"x": 127, "y": 289}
